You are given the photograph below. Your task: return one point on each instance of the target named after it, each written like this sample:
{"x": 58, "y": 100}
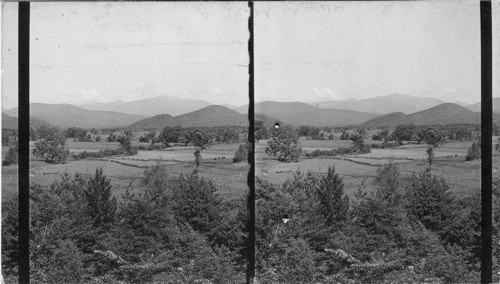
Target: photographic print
{"x": 368, "y": 151}
{"x": 367, "y": 130}
{"x": 138, "y": 162}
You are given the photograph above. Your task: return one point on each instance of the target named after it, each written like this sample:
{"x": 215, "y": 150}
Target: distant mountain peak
{"x": 393, "y": 102}
{"x": 151, "y": 106}
{"x": 446, "y": 113}
{"x": 66, "y": 115}
{"x": 210, "y": 116}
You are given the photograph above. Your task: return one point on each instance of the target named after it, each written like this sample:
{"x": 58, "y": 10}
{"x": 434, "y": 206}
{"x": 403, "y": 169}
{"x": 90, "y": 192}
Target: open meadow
{"x": 357, "y": 169}
{"x": 127, "y": 171}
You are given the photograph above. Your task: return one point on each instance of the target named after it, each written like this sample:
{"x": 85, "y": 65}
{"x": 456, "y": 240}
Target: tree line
{"x": 408, "y": 229}
{"x": 167, "y": 229}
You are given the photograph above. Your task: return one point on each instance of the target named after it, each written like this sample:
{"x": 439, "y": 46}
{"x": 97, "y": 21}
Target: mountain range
{"x": 447, "y": 113}
{"x": 214, "y": 115}
{"x": 151, "y": 106}
{"x": 65, "y": 115}
{"x": 383, "y": 104}
{"x": 297, "y": 113}
{"x": 477, "y": 107}
{"x": 9, "y": 122}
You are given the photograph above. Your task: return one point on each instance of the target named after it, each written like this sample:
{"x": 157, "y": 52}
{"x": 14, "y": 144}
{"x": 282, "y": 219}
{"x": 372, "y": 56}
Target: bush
{"x": 339, "y": 151}
{"x": 241, "y": 154}
{"x": 430, "y": 201}
{"x": 11, "y": 157}
{"x": 385, "y": 145}
{"x": 318, "y": 152}
{"x": 152, "y": 147}
{"x": 298, "y": 264}
{"x": 284, "y": 145}
{"x": 380, "y": 135}
{"x": 103, "y": 153}
{"x": 474, "y": 152}
{"x": 344, "y": 135}
{"x": 52, "y": 146}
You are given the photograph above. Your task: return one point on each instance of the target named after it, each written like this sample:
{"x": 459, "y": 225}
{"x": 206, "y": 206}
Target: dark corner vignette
{"x": 486, "y": 132}
{"x": 251, "y": 156}
{"x": 24, "y": 129}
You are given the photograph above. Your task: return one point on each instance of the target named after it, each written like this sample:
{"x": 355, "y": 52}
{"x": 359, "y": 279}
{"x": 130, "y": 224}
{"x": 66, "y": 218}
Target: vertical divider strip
{"x": 486, "y": 147}
{"x": 24, "y": 130}
{"x": 251, "y": 156}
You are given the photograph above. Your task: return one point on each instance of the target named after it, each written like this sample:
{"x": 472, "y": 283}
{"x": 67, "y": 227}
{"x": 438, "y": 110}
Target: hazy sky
{"x": 340, "y": 50}
{"x": 86, "y": 52}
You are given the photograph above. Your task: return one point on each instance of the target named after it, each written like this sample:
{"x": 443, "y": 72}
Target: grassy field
{"x": 182, "y": 155}
{"x": 217, "y": 165}
{"x": 310, "y": 145}
{"x": 353, "y": 174}
{"x": 463, "y": 176}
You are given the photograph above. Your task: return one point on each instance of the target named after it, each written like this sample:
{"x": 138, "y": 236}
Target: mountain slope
{"x": 9, "y": 122}
{"x": 64, "y": 115}
{"x": 151, "y": 106}
{"x": 388, "y": 120}
{"x": 297, "y": 113}
{"x": 210, "y": 116}
{"x": 384, "y": 104}
{"x": 446, "y": 113}
{"x": 156, "y": 122}
{"x": 242, "y": 109}
{"x": 214, "y": 115}
{"x": 477, "y": 107}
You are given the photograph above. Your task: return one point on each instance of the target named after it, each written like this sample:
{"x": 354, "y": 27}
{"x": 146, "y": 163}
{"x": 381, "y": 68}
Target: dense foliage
{"x": 168, "y": 230}
{"x": 433, "y": 135}
{"x": 11, "y": 157}
{"x": 99, "y": 154}
{"x": 125, "y": 141}
{"x": 148, "y": 138}
{"x": 261, "y": 131}
{"x": 407, "y": 229}
{"x": 241, "y": 153}
{"x": 474, "y": 151}
{"x": 381, "y": 135}
{"x": 51, "y": 145}
{"x": 79, "y": 134}
{"x": 314, "y": 133}
{"x": 358, "y": 146}
{"x": 9, "y": 137}
{"x": 186, "y": 136}
{"x": 284, "y": 144}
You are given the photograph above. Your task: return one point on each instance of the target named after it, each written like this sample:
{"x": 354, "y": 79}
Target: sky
{"x": 321, "y": 51}
{"x": 85, "y": 52}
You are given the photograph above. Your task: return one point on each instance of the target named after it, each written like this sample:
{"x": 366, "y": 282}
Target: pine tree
{"x": 334, "y": 203}
{"x": 429, "y": 200}
{"x": 101, "y": 203}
